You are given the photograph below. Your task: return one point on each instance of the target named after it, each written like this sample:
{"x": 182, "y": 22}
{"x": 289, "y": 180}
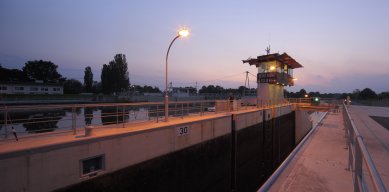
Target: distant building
{"x": 183, "y": 91}
{"x": 152, "y": 94}
{"x": 38, "y": 88}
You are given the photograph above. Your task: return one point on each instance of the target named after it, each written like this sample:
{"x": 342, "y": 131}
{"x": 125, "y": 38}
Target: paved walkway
{"x": 61, "y": 138}
{"x": 65, "y": 137}
{"x": 375, "y": 136}
{"x": 320, "y": 164}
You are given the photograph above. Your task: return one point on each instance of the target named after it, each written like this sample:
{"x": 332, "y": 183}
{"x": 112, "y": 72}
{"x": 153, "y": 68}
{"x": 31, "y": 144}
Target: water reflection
{"x": 88, "y": 115}
{"x": 47, "y": 120}
{"x": 43, "y": 121}
{"x": 113, "y": 115}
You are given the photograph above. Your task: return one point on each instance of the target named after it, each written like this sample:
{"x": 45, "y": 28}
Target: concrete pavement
{"x": 320, "y": 164}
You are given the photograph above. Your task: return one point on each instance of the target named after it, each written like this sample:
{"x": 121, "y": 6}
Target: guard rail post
{"x": 117, "y": 114}
{"x": 5, "y": 122}
{"x": 157, "y": 114}
{"x": 74, "y": 120}
{"x": 182, "y": 110}
{"x": 357, "y": 166}
{"x": 123, "y": 115}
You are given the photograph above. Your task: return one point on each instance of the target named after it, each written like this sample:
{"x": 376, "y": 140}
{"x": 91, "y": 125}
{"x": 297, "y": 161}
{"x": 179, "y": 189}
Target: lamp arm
{"x": 167, "y": 56}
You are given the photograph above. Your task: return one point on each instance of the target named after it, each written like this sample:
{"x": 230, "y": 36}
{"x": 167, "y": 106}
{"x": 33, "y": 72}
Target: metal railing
{"x": 34, "y": 120}
{"x": 29, "y": 120}
{"x": 360, "y": 162}
{"x": 323, "y": 101}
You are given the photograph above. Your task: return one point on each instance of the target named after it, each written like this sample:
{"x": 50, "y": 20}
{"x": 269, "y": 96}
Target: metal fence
{"x": 33, "y": 120}
{"x": 365, "y": 174}
{"x": 322, "y": 101}
{"x": 29, "y": 120}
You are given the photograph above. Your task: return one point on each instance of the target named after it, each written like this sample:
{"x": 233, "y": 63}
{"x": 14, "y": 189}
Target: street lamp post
{"x": 181, "y": 33}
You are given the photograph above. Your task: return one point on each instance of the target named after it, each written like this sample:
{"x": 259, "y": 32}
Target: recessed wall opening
{"x": 92, "y": 166}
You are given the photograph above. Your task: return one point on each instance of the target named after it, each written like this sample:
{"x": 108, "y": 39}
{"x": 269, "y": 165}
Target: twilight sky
{"x": 343, "y": 45}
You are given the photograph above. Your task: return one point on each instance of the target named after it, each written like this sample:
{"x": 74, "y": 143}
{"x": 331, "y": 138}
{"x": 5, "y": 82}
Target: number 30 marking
{"x": 183, "y": 130}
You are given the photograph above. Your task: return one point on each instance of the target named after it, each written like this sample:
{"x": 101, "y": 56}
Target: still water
{"x": 38, "y": 121}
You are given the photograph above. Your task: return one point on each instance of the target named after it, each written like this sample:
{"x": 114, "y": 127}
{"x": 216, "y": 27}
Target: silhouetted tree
{"x": 42, "y": 70}
{"x": 314, "y": 94}
{"x": 114, "y": 76}
{"x": 72, "y": 86}
{"x": 344, "y": 95}
{"x": 383, "y": 95}
{"x": 88, "y": 79}
{"x": 212, "y": 89}
{"x": 106, "y": 79}
{"x": 367, "y": 93}
{"x": 12, "y": 75}
{"x": 301, "y": 93}
{"x": 355, "y": 94}
{"x": 96, "y": 87}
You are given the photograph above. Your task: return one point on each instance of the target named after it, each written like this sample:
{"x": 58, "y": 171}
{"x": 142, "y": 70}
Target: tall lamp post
{"x": 181, "y": 33}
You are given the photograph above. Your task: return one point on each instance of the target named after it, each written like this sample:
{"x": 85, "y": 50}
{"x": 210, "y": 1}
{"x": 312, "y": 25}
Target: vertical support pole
{"x": 182, "y": 110}
{"x": 149, "y": 113}
{"x": 175, "y": 109}
{"x": 117, "y": 114}
{"x": 157, "y": 114}
{"x": 123, "y": 115}
{"x": 74, "y": 120}
{"x": 201, "y": 108}
{"x": 5, "y": 123}
{"x": 350, "y": 154}
{"x": 357, "y": 165}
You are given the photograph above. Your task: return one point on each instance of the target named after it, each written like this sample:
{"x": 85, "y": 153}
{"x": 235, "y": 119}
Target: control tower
{"x": 274, "y": 72}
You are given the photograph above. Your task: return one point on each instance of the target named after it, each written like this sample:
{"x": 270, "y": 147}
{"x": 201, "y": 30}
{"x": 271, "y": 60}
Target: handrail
{"x": 35, "y": 120}
{"x": 270, "y": 181}
{"x": 358, "y": 154}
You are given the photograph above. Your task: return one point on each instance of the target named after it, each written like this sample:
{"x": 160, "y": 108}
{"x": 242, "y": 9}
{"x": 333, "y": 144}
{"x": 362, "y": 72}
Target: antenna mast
{"x": 267, "y": 50}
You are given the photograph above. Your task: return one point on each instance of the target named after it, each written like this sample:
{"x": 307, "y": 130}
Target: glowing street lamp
{"x": 181, "y": 33}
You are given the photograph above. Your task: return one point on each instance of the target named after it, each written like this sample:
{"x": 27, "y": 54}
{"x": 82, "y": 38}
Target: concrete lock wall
{"x": 263, "y": 140}
{"x": 53, "y": 167}
{"x": 236, "y": 151}
{"x": 303, "y": 124}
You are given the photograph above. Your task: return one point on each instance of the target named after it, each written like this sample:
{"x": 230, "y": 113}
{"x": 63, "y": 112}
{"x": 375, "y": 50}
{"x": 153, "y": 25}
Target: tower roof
{"x": 283, "y": 58}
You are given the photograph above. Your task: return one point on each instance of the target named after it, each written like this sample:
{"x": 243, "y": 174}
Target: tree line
{"x": 357, "y": 94}
{"x": 115, "y": 79}
{"x": 114, "y": 76}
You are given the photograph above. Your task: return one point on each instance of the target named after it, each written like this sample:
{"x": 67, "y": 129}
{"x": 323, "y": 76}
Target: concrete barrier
{"x": 185, "y": 156}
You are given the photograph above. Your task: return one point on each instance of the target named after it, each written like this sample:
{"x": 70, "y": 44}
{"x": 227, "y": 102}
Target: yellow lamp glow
{"x": 183, "y": 32}
{"x": 272, "y": 68}
{"x": 294, "y": 79}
